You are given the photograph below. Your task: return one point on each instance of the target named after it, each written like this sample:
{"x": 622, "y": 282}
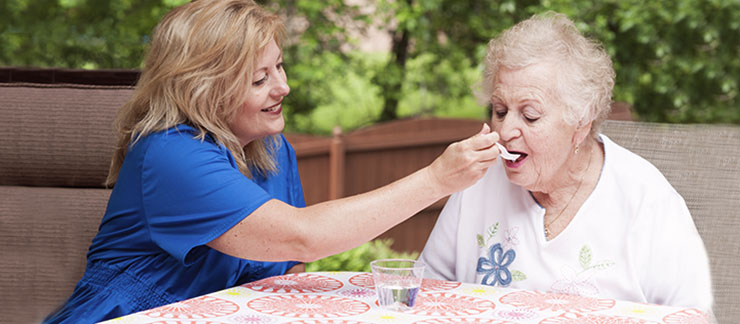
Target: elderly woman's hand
{"x": 465, "y": 162}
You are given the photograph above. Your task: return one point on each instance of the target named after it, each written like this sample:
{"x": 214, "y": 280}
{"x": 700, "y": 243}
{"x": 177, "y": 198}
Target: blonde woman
{"x": 576, "y": 213}
{"x": 205, "y": 184}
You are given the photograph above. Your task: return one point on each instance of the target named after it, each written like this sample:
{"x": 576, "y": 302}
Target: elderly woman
{"x": 575, "y": 213}
{"x": 207, "y": 194}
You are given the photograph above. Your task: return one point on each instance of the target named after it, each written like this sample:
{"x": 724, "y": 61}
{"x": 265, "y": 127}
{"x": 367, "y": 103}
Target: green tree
{"x": 677, "y": 61}
{"x": 78, "y": 33}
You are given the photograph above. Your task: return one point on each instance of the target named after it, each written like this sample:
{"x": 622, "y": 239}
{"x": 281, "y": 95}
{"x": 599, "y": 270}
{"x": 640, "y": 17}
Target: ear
{"x": 582, "y": 131}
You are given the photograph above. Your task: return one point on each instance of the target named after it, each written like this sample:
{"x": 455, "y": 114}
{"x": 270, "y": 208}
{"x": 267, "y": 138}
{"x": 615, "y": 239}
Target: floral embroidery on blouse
{"x": 578, "y": 281}
{"x": 510, "y": 238}
{"x": 495, "y": 267}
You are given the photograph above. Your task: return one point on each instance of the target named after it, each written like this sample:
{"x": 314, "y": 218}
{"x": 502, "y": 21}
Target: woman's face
{"x": 529, "y": 118}
{"x": 262, "y": 114}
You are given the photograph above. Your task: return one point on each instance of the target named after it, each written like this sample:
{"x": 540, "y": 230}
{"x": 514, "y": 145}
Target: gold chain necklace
{"x": 547, "y": 225}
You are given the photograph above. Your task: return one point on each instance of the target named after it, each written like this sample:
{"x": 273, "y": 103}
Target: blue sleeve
{"x": 291, "y": 192}
{"x": 295, "y": 179}
{"x": 193, "y": 193}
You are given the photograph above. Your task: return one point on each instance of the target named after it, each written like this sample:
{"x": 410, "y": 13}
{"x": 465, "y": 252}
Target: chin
{"x": 278, "y": 127}
{"x": 516, "y": 178}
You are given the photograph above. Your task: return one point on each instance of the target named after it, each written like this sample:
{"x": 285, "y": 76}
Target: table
{"x": 349, "y": 298}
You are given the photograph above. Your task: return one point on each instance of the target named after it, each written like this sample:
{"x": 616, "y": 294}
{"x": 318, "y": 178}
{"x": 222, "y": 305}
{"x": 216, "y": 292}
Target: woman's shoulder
{"x": 632, "y": 172}
{"x": 178, "y": 144}
{"x": 179, "y": 134}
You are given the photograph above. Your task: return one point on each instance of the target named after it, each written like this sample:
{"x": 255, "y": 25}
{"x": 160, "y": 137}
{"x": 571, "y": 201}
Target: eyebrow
{"x": 521, "y": 97}
{"x": 279, "y": 58}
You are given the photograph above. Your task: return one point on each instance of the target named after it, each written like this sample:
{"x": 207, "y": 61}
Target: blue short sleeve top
{"x": 174, "y": 194}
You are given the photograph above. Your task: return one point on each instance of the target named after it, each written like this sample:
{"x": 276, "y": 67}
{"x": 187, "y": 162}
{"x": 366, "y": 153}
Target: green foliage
{"x": 359, "y": 258}
{"x": 78, "y": 33}
{"x": 348, "y": 96}
{"x": 681, "y": 56}
{"x": 440, "y": 87}
{"x": 341, "y": 93}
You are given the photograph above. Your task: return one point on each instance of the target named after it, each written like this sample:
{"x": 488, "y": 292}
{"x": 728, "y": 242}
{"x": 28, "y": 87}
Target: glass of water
{"x": 397, "y": 282}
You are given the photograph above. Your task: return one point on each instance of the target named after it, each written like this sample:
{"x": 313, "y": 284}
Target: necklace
{"x": 547, "y": 225}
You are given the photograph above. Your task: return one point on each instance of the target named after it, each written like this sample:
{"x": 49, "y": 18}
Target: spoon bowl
{"x": 505, "y": 154}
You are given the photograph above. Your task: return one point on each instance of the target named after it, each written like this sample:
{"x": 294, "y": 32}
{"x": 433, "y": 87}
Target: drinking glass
{"x": 397, "y": 282}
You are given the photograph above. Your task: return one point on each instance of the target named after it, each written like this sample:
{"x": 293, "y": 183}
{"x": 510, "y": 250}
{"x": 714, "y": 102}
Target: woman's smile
{"x": 274, "y": 109}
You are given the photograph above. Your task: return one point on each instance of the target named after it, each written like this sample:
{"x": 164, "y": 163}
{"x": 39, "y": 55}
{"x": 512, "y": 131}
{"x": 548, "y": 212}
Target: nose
{"x": 508, "y": 127}
{"x": 280, "y": 88}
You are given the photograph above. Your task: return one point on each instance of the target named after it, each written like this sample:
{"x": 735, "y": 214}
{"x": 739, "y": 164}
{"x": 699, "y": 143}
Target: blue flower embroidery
{"x": 495, "y": 266}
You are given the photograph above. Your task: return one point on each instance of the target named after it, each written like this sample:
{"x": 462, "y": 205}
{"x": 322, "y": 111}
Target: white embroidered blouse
{"x": 632, "y": 239}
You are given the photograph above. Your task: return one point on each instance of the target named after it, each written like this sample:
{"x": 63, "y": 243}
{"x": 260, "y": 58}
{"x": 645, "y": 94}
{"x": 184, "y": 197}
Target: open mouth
{"x": 274, "y": 108}
{"x": 521, "y": 157}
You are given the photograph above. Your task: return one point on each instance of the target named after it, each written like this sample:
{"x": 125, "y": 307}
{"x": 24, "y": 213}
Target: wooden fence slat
{"x": 336, "y": 165}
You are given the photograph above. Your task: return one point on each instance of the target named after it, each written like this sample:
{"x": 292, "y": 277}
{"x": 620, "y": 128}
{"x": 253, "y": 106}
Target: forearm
{"x": 342, "y": 224}
{"x": 279, "y": 232}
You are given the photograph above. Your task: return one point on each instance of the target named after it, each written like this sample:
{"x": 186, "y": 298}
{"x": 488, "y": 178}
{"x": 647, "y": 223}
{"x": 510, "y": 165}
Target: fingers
{"x": 485, "y": 159}
{"x": 484, "y": 139}
{"x": 466, "y": 161}
{"x": 485, "y": 147}
{"x": 480, "y": 148}
{"x": 485, "y": 130}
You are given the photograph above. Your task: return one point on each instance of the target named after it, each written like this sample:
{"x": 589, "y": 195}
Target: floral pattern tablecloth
{"x": 349, "y": 298}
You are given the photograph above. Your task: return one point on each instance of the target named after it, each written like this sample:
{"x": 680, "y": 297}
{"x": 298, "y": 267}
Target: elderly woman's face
{"x": 529, "y": 118}
{"x": 262, "y": 114}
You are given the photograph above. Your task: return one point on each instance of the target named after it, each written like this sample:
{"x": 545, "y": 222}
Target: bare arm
{"x": 298, "y": 268}
{"x": 277, "y": 231}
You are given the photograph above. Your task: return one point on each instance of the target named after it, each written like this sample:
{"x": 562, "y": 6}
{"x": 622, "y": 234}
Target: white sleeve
{"x": 440, "y": 252}
{"x": 677, "y": 266}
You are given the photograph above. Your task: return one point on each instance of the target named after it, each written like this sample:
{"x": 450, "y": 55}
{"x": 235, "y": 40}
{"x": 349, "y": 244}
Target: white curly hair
{"x": 585, "y": 79}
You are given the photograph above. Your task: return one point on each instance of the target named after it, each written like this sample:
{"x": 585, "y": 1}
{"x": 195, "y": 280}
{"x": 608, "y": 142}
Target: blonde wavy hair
{"x": 586, "y": 77}
{"x": 197, "y": 72}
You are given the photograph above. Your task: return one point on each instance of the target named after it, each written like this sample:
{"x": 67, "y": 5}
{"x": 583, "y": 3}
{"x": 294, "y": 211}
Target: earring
{"x": 577, "y": 147}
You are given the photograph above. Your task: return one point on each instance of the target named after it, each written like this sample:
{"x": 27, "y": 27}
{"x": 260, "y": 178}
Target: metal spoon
{"x": 505, "y": 154}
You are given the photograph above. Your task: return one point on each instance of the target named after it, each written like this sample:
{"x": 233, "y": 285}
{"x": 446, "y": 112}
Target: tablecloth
{"x": 349, "y": 298}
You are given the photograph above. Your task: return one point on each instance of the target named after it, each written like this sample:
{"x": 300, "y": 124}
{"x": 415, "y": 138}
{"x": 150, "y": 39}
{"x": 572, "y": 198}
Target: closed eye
{"x": 260, "y": 81}
{"x": 530, "y": 113}
{"x": 499, "y": 110}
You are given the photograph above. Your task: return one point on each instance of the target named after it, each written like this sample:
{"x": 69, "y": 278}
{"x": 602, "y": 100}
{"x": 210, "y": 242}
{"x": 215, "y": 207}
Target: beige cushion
{"x": 57, "y": 135}
{"x": 46, "y": 233}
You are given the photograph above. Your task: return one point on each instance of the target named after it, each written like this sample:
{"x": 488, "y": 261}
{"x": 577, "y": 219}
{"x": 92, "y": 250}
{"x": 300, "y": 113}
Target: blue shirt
{"x": 174, "y": 194}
